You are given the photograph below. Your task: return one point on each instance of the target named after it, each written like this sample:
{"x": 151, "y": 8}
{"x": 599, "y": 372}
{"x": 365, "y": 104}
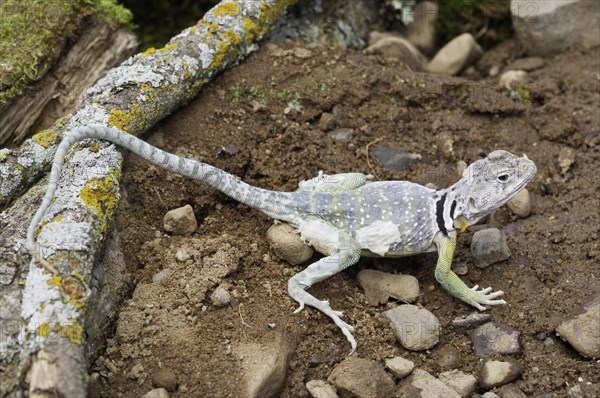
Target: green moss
{"x": 32, "y": 34}
{"x": 488, "y": 20}
{"x": 520, "y": 94}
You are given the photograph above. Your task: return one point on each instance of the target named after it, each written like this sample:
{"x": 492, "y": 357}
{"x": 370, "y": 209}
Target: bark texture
{"x": 45, "y": 351}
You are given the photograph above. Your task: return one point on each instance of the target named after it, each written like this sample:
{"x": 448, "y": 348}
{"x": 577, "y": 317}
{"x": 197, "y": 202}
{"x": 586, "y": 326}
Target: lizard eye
{"x": 503, "y": 177}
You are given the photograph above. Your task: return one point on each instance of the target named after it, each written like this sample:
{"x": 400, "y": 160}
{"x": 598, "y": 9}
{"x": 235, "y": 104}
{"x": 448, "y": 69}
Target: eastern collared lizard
{"x": 344, "y": 216}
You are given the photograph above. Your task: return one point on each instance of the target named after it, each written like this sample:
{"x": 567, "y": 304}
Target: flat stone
{"x": 459, "y": 53}
{"x": 415, "y": 328}
{"x": 447, "y": 357}
{"x": 520, "y": 204}
{"x": 379, "y": 286}
{"x": 583, "y": 332}
{"x": 401, "y": 49}
{"x": 287, "y": 244}
{"x": 549, "y": 27}
{"x": 495, "y": 373}
{"x": 527, "y": 64}
{"x": 181, "y": 221}
{"x": 495, "y": 338}
{"x": 395, "y": 159}
{"x": 361, "y": 378}
{"x": 488, "y": 247}
{"x": 471, "y": 320}
{"x": 463, "y": 383}
{"x": 400, "y": 367}
{"x": 421, "y": 384}
{"x": 321, "y": 389}
{"x": 343, "y": 135}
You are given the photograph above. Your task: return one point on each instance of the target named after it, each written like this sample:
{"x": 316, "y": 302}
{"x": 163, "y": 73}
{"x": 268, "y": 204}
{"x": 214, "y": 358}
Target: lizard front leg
{"x": 452, "y": 283}
{"x": 342, "y": 252}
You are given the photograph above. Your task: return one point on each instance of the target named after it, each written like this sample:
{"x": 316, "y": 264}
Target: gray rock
{"x": 421, "y": 384}
{"x": 182, "y": 255}
{"x": 488, "y": 246}
{"x": 460, "y": 268}
{"x": 583, "y": 332}
{"x": 463, "y": 383}
{"x": 264, "y": 366}
{"x": 379, "y": 286}
{"x": 401, "y": 49}
{"x": 471, "y": 320}
{"x": 375, "y": 36}
{"x": 447, "y": 357}
{"x": 400, "y": 367}
{"x": 584, "y": 391}
{"x": 321, "y": 389}
{"x": 287, "y": 244}
{"x": 361, "y": 378}
{"x": 181, "y": 221}
{"x": 592, "y": 303}
{"x": 164, "y": 378}
{"x": 490, "y": 394}
{"x": 343, "y": 135}
{"x": 415, "y": 328}
{"x": 459, "y": 53}
{"x": 511, "y": 391}
{"x": 394, "y": 159}
{"x": 520, "y": 204}
{"x": 495, "y": 338}
{"x": 549, "y": 27}
{"x": 421, "y": 32}
{"x": 527, "y": 64}
{"x": 495, "y": 373}
{"x": 220, "y": 297}
{"x": 156, "y": 393}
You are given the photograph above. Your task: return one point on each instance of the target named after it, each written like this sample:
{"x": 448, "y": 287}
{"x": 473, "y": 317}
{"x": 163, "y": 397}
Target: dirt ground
{"x": 266, "y": 121}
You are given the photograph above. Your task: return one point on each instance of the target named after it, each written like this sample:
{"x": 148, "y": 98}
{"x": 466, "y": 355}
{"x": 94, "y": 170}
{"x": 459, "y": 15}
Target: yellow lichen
{"x": 149, "y": 51}
{"x": 227, "y": 46}
{"x": 94, "y": 147}
{"x": 55, "y": 281}
{"x": 72, "y": 331}
{"x": 224, "y": 9}
{"x": 127, "y": 120}
{"x": 101, "y": 194}
{"x": 4, "y": 152}
{"x": 45, "y": 138}
{"x": 168, "y": 47}
{"x": 250, "y": 28}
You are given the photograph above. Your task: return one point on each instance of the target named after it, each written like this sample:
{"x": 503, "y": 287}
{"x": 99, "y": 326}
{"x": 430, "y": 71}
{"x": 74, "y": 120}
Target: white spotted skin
{"x": 408, "y": 206}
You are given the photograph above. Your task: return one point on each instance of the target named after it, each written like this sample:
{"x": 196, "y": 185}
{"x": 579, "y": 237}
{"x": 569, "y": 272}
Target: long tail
{"x": 276, "y": 204}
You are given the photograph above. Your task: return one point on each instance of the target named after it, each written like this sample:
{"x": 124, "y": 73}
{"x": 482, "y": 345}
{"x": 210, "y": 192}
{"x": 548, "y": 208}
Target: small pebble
{"x": 321, "y": 389}
{"x": 379, "y": 286}
{"x": 164, "y": 378}
{"x": 181, "y": 221}
{"x": 399, "y": 367}
{"x": 162, "y": 276}
{"x": 421, "y": 384}
{"x": 512, "y": 77}
{"x": 156, "y": 393}
{"x": 416, "y": 329}
{"x": 471, "y": 320}
{"x": 463, "y": 383}
{"x": 287, "y": 244}
{"x": 520, "y": 204}
{"x": 488, "y": 247}
{"x": 495, "y": 373}
{"x": 220, "y": 297}
{"x": 583, "y": 332}
{"x": 495, "y": 338}
{"x": 342, "y": 135}
{"x": 182, "y": 255}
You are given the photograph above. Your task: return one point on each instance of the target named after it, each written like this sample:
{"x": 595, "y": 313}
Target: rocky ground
{"x": 209, "y": 313}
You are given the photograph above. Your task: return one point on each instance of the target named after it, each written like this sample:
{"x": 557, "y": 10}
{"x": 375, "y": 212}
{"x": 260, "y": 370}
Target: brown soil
{"x": 554, "y": 266}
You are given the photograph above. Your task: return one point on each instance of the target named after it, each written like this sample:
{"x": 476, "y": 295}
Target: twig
{"x": 367, "y": 154}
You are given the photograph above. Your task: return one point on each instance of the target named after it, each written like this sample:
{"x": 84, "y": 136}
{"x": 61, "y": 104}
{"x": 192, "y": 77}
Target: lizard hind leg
{"x": 343, "y": 252}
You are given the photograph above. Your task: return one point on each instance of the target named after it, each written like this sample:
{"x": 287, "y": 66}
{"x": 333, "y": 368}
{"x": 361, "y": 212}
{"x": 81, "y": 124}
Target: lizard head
{"x": 490, "y": 182}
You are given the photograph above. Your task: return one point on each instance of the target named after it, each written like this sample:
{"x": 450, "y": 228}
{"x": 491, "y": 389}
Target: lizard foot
{"x": 476, "y": 297}
{"x": 326, "y": 309}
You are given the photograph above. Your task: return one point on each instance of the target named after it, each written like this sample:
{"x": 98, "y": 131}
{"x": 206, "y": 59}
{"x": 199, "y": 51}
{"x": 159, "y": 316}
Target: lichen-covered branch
{"x": 148, "y": 86}
{"x": 132, "y": 97}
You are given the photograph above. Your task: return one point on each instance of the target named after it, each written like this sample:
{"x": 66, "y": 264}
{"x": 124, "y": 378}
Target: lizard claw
{"x": 484, "y": 296}
{"x": 300, "y": 308}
